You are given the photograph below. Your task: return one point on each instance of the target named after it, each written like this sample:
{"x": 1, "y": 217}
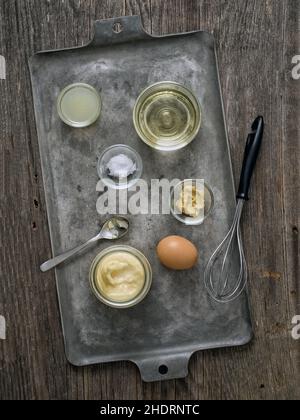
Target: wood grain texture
{"x": 256, "y": 41}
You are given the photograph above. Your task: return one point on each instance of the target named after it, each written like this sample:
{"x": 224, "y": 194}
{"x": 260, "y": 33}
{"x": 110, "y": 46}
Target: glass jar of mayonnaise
{"x": 121, "y": 277}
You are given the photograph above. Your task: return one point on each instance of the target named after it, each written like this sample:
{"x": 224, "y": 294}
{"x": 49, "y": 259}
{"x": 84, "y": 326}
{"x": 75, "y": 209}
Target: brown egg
{"x": 177, "y": 253}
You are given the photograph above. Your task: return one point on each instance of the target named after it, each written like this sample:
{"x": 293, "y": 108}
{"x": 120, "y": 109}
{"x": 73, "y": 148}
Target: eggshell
{"x": 177, "y": 253}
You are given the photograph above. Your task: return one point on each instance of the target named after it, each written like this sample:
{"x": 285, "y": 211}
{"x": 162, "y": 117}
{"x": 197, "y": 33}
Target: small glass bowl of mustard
{"x": 206, "y": 202}
{"x": 121, "y": 277}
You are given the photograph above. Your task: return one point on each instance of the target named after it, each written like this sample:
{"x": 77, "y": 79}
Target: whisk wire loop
{"x": 220, "y": 290}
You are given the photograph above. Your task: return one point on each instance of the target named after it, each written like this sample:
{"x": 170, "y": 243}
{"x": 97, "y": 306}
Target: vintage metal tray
{"x": 177, "y": 318}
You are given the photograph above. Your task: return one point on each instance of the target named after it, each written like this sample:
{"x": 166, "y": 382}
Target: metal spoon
{"x": 113, "y": 229}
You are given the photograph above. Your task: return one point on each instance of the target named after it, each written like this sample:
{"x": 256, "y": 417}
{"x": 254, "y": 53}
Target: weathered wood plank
{"x": 255, "y": 43}
{"x": 291, "y": 169}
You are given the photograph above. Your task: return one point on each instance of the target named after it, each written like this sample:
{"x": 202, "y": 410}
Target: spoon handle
{"x": 49, "y": 265}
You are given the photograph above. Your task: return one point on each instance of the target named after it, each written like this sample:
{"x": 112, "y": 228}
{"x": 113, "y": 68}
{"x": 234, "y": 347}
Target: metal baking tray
{"x": 178, "y": 318}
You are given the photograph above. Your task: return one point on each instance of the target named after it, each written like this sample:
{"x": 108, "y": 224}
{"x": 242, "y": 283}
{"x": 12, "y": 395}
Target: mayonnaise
{"x": 120, "y": 277}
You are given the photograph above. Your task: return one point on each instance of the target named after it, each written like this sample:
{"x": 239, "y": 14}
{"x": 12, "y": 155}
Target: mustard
{"x": 191, "y": 202}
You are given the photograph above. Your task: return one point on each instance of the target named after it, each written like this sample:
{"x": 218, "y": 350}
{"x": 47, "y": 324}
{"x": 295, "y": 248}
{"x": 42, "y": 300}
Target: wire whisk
{"x": 220, "y": 288}
{"x": 223, "y": 282}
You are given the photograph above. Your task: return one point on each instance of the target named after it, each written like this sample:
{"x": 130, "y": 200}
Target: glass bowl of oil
{"x": 167, "y": 116}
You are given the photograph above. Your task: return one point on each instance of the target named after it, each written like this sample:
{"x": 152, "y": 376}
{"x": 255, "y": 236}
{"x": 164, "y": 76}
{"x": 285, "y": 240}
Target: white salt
{"x": 121, "y": 166}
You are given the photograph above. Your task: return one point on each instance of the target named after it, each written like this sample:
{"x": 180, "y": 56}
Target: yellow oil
{"x": 167, "y": 116}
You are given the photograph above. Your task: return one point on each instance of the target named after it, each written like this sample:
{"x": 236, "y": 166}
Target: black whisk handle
{"x": 253, "y": 147}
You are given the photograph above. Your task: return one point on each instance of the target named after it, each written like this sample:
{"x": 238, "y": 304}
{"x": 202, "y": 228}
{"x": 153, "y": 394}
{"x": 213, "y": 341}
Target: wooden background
{"x": 256, "y": 42}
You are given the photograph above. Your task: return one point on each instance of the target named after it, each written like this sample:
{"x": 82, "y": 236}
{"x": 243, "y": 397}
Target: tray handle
{"x": 119, "y": 30}
{"x": 164, "y": 368}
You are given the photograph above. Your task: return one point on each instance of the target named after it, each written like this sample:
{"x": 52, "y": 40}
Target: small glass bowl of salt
{"x": 120, "y": 167}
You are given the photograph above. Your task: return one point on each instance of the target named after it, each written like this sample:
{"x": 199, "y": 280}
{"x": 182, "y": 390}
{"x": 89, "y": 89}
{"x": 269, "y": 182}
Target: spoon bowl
{"x": 114, "y": 228}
